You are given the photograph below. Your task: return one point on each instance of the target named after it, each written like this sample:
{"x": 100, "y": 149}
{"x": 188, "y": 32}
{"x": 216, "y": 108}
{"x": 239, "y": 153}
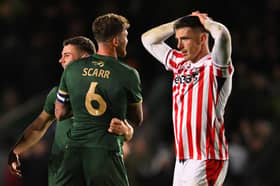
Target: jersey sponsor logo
{"x": 188, "y": 78}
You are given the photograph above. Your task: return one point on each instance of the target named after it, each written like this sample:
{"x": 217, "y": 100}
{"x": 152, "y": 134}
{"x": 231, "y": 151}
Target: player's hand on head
{"x": 14, "y": 164}
{"x": 117, "y": 126}
{"x": 202, "y": 16}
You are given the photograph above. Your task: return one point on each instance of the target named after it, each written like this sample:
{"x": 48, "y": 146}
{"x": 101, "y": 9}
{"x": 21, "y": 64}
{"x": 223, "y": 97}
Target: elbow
{"x": 147, "y": 40}
{"x": 136, "y": 120}
{"x": 144, "y": 37}
{"x": 224, "y": 35}
{"x": 135, "y": 114}
{"x": 139, "y": 120}
{"x": 144, "y": 40}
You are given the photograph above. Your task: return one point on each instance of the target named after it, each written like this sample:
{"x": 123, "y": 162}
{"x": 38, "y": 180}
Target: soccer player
{"x": 201, "y": 87}
{"x": 99, "y": 89}
{"x": 73, "y": 49}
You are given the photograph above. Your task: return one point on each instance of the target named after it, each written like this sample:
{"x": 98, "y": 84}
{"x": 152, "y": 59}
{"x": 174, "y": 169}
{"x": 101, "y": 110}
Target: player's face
{"x": 189, "y": 43}
{"x": 122, "y": 43}
{"x": 68, "y": 54}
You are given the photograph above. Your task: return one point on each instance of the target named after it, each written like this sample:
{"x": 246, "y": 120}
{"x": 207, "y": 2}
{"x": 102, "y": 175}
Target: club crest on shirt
{"x": 98, "y": 63}
{"x": 185, "y": 66}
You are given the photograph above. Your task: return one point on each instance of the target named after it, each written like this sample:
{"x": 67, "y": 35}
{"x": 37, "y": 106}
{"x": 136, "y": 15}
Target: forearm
{"x": 33, "y": 133}
{"x": 222, "y": 47}
{"x": 29, "y": 138}
{"x": 130, "y": 131}
{"x": 158, "y": 34}
{"x": 153, "y": 40}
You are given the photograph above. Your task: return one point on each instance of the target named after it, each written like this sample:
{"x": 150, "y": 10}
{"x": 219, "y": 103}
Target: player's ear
{"x": 203, "y": 37}
{"x": 115, "y": 41}
{"x": 84, "y": 55}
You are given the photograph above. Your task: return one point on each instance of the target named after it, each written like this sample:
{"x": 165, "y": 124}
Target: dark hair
{"x": 189, "y": 21}
{"x": 83, "y": 43}
{"x": 107, "y": 26}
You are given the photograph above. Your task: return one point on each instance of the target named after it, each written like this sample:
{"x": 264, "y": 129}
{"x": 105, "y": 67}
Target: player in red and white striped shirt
{"x": 201, "y": 87}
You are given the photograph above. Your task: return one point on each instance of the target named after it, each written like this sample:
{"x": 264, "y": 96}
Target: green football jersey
{"x": 59, "y": 141}
{"x": 99, "y": 88}
{"x": 61, "y": 127}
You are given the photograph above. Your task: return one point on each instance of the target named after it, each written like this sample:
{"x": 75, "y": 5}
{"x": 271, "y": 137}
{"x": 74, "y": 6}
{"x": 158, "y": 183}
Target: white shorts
{"x": 200, "y": 172}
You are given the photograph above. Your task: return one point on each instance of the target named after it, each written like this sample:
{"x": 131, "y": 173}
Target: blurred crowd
{"x": 31, "y": 41}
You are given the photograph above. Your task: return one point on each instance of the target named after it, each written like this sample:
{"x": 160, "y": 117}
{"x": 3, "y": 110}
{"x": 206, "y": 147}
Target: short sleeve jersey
{"x": 62, "y": 127}
{"x": 99, "y": 88}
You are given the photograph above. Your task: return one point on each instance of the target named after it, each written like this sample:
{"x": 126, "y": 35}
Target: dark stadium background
{"x": 31, "y": 35}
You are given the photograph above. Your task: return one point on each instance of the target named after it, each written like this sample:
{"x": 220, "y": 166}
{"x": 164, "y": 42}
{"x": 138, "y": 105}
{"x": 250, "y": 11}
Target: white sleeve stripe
{"x": 62, "y": 98}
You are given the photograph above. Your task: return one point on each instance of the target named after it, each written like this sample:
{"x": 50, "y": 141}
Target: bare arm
{"x": 221, "y": 52}
{"x": 62, "y": 110}
{"x": 34, "y": 132}
{"x": 135, "y": 113}
{"x": 31, "y": 136}
{"x": 153, "y": 40}
{"x": 130, "y": 131}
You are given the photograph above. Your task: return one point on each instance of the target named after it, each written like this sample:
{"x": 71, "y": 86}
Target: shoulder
{"x": 128, "y": 69}
{"x": 50, "y": 100}
{"x": 52, "y": 94}
{"x": 53, "y": 91}
{"x": 126, "y": 66}
{"x": 78, "y": 62}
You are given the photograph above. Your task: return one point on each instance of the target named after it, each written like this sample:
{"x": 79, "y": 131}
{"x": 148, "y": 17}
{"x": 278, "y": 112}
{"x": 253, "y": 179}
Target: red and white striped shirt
{"x": 200, "y": 92}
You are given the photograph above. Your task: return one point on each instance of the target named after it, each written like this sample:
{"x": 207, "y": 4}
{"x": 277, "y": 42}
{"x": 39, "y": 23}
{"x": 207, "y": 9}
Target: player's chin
{"x": 186, "y": 56}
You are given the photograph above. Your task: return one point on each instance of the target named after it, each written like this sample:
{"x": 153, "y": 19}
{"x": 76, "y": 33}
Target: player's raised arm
{"x": 221, "y": 52}
{"x": 153, "y": 40}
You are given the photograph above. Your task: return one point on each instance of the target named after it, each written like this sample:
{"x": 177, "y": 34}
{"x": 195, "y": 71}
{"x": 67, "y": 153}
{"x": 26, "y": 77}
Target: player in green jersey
{"x": 73, "y": 49}
{"x": 98, "y": 89}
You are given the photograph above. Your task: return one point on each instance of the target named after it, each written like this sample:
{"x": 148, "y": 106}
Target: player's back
{"x": 99, "y": 89}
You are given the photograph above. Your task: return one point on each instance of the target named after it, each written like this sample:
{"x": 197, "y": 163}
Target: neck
{"x": 107, "y": 49}
{"x": 204, "y": 51}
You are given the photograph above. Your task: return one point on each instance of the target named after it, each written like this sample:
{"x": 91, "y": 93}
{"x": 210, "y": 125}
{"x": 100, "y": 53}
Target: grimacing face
{"x": 69, "y": 53}
{"x": 122, "y": 39}
{"x": 189, "y": 42}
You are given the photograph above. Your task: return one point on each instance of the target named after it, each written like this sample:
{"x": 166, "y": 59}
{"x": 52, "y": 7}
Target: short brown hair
{"x": 81, "y": 42}
{"x": 107, "y": 26}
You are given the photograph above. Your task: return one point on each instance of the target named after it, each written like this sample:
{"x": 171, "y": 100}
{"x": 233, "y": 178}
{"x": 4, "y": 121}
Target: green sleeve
{"x": 62, "y": 85}
{"x": 134, "y": 87}
{"x": 50, "y": 101}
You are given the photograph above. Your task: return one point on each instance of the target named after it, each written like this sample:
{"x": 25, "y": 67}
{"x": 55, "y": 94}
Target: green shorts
{"x": 91, "y": 167}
